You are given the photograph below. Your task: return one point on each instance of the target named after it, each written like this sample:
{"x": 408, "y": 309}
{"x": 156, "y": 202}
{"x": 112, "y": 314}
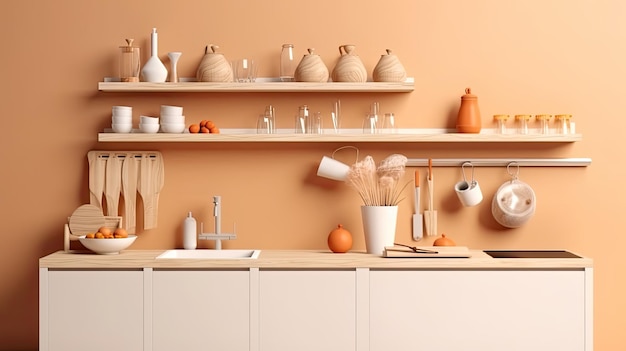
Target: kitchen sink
{"x": 210, "y": 254}
{"x": 530, "y": 254}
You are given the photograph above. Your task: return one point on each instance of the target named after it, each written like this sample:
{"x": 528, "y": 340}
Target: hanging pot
{"x": 514, "y": 203}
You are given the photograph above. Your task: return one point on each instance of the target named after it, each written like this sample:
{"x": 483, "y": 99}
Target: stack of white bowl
{"x": 172, "y": 119}
{"x": 148, "y": 124}
{"x": 122, "y": 119}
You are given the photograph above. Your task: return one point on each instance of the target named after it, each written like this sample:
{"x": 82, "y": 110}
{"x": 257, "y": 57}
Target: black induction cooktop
{"x": 530, "y": 254}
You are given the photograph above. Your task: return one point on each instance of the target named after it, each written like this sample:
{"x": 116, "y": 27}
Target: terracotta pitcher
{"x": 214, "y": 67}
{"x": 349, "y": 68}
{"x": 311, "y": 68}
{"x": 468, "y": 119}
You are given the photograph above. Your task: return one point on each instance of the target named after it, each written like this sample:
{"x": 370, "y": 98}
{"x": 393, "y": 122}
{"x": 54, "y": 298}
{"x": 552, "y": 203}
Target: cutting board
{"x": 86, "y": 219}
{"x": 439, "y": 252}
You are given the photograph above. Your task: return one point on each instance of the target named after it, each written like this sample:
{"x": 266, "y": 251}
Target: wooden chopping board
{"x": 86, "y": 219}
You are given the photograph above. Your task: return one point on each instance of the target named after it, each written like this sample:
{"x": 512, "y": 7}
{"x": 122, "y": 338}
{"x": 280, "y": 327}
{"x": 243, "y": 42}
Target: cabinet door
{"x": 95, "y": 310}
{"x": 307, "y": 310}
{"x": 477, "y": 310}
{"x": 201, "y": 310}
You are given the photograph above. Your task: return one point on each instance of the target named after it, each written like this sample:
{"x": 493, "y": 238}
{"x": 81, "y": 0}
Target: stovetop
{"x": 530, "y": 254}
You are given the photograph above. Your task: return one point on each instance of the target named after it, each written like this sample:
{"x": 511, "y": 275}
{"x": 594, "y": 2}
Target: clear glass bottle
{"x": 500, "y": 121}
{"x": 544, "y": 123}
{"x": 270, "y": 112}
{"x": 287, "y": 63}
{"x": 522, "y": 123}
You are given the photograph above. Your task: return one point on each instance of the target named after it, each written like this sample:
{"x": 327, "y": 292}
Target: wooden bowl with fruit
{"x": 107, "y": 241}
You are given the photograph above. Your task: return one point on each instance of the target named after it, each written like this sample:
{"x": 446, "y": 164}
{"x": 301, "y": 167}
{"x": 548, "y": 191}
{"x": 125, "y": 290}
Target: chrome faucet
{"x": 218, "y": 236}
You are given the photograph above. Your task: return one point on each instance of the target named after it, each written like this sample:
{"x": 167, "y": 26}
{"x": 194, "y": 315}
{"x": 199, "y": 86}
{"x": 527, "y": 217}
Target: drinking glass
{"x": 335, "y": 116}
{"x": 389, "y": 124}
{"x": 370, "y": 124}
{"x": 244, "y": 70}
{"x": 316, "y": 123}
{"x": 264, "y": 124}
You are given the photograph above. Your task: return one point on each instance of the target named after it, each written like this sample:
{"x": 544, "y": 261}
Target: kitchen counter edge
{"x": 300, "y": 259}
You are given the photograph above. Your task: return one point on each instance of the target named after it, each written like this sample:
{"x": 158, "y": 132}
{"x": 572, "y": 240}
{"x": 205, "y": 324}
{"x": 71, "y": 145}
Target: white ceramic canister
{"x": 190, "y": 234}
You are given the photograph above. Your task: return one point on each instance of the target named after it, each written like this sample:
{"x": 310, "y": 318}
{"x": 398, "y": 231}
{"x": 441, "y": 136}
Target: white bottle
{"x": 190, "y": 235}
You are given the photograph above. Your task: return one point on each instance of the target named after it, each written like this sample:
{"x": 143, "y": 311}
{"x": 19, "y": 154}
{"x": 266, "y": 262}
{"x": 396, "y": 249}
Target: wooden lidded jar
{"x": 389, "y": 69}
{"x": 349, "y": 68}
{"x": 311, "y": 69}
{"x": 468, "y": 119}
{"x": 214, "y": 67}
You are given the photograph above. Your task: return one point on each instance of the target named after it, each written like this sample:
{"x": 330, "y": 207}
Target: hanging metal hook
{"x": 468, "y": 164}
{"x": 514, "y": 175}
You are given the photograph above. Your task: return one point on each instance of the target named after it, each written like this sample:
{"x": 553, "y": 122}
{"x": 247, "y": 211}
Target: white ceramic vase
{"x": 154, "y": 70}
{"x": 379, "y": 226}
{"x": 174, "y": 56}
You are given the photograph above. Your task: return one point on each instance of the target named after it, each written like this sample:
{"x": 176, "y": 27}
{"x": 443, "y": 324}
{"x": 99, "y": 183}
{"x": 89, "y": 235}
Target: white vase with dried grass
{"x": 379, "y": 188}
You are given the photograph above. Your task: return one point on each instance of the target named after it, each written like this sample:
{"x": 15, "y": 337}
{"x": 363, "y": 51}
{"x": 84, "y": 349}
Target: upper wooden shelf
{"x": 262, "y": 85}
{"x": 241, "y": 136}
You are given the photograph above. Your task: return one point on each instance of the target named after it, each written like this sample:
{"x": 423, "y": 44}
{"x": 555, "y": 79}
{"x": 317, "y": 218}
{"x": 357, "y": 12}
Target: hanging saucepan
{"x": 514, "y": 203}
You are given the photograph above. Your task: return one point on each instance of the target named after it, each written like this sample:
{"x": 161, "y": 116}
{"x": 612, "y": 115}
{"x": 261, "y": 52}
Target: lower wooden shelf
{"x": 402, "y": 136}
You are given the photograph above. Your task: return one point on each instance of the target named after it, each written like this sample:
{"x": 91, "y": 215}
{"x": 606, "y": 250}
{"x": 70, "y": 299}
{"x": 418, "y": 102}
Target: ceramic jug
{"x": 311, "y": 68}
{"x": 214, "y": 67}
{"x": 468, "y": 119}
{"x": 389, "y": 69}
{"x": 349, "y": 68}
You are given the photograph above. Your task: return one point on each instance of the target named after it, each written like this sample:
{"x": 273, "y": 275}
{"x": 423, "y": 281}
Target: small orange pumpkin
{"x": 339, "y": 240}
{"x": 444, "y": 241}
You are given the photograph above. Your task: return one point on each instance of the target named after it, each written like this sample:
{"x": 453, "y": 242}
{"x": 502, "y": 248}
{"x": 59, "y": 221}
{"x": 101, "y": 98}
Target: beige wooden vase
{"x": 389, "y": 69}
{"x": 349, "y": 68}
{"x": 311, "y": 69}
{"x": 214, "y": 67}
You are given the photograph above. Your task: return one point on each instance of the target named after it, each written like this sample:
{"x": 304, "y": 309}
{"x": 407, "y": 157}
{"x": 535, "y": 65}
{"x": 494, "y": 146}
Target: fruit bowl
{"x": 107, "y": 246}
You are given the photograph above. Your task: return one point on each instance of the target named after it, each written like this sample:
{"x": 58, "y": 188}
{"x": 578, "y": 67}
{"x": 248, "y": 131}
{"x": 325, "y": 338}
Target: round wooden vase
{"x": 389, "y": 69}
{"x": 468, "y": 119}
{"x": 349, "y": 68}
{"x": 214, "y": 67}
{"x": 311, "y": 69}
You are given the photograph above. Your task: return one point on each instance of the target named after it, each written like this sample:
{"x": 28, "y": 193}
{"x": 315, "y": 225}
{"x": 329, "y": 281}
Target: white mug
{"x": 468, "y": 192}
{"x": 333, "y": 169}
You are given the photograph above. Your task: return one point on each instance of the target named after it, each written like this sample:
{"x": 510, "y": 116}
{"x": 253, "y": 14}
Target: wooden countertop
{"x": 301, "y": 259}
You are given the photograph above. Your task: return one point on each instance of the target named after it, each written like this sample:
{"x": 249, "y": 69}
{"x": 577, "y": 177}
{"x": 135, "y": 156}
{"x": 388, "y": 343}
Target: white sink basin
{"x": 210, "y": 254}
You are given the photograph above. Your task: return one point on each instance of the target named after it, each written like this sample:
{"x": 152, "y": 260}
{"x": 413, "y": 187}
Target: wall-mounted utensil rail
{"x": 501, "y": 162}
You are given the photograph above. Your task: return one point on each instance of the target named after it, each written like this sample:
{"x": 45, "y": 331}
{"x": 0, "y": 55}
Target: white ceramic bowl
{"x": 107, "y": 246}
{"x": 172, "y": 127}
{"x": 171, "y": 110}
{"x": 148, "y": 120}
{"x": 173, "y": 119}
{"x": 149, "y": 128}
{"x": 122, "y": 127}
{"x": 122, "y": 111}
{"x": 122, "y": 119}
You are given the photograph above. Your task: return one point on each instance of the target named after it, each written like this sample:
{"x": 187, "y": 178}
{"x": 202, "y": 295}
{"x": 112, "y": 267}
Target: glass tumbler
{"x": 302, "y": 120}
{"x": 316, "y": 123}
{"x": 370, "y": 124}
{"x": 264, "y": 124}
{"x": 287, "y": 63}
{"x": 522, "y": 123}
{"x": 500, "y": 121}
{"x": 544, "y": 120}
{"x": 389, "y": 124}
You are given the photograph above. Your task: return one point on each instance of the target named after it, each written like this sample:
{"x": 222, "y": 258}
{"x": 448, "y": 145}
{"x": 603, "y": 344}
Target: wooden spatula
{"x": 97, "y": 168}
{"x": 130, "y": 173}
{"x": 113, "y": 183}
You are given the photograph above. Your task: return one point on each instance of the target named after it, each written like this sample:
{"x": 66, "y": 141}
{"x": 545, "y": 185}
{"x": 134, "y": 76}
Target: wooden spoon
{"x": 130, "y": 172}
{"x": 97, "y": 167}
{"x": 112, "y": 184}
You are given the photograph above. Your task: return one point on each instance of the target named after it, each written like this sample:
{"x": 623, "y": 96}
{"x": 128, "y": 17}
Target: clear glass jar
{"x": 500, "y": 122}
{"x": 129, "y": 62}
{"x": 544, "y": 123}
{"x": 563, "y": 124}
{"x": 287, "y": 64}
{"x": 302, "y": 120}
{"x": 522, "y": 123}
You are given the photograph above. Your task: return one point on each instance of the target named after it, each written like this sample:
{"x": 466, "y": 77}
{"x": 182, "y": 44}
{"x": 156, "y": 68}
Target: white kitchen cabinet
{"x": 92, "y": 310}
{"x": 307, "y": 310}
{"x": 481, "y": 310}
{"x": 201, "y": 310}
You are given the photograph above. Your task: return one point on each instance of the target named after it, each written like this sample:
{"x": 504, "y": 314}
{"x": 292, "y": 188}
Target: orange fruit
{"x": 204, "y": 130}
{"x": 120, "y": 233}
{"x": 203, "y": 123}
{"x": 194, "y": 128}
{"x": 105, "y": 231}
{"x": 209, "y": 124}
{"x": 215, "y": 130}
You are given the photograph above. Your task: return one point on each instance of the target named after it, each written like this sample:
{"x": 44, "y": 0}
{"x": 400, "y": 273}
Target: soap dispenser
{"x": 190, "y": 235}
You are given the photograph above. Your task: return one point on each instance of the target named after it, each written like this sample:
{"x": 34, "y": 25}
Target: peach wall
{"x": 531, "y": 56}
